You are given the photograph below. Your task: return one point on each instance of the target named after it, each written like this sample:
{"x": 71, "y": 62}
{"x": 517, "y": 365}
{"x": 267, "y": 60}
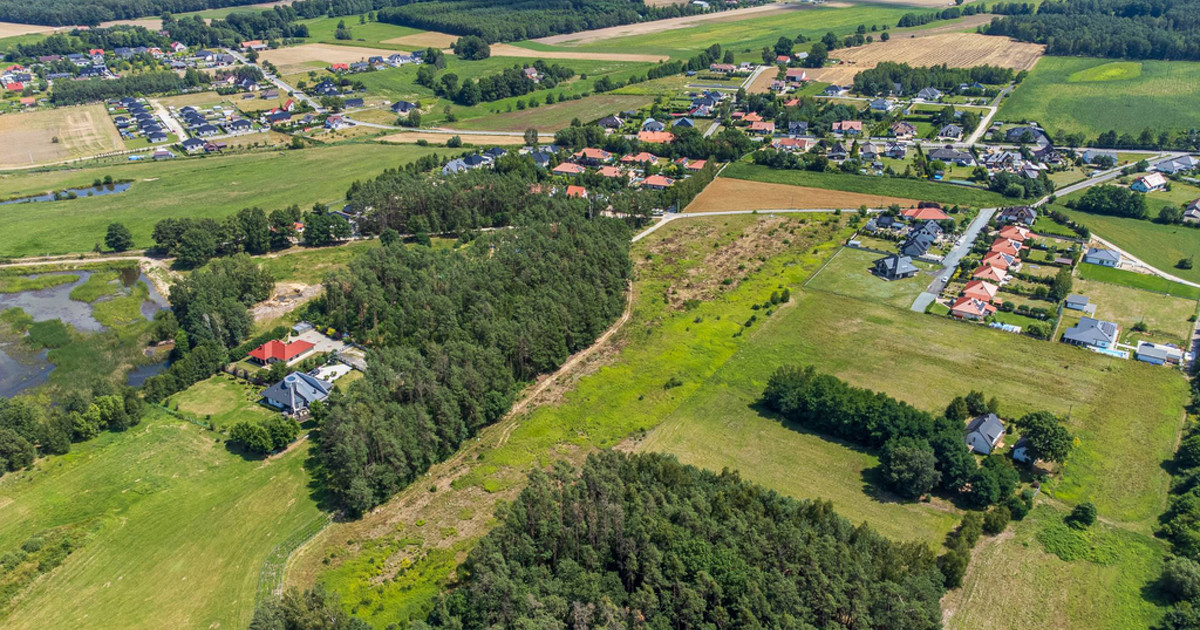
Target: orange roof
{"x": 971, "y": 307}
{"x": 658, "y": 180}
{"x": 997, "y": 259}
{"x": 339, "y": 66}
{"x": 15, "y": 86}
{"x": 738, "y": 115}
{"x": 1005, "y": 246}
{"x": 656, "y": 136}
{"x": 792, "y": 103}
{"x": 594, "y": 154}
{"x": 796, "y": 143}
{"x": 609, "y": 171}
{"x": 980, "y": 290}
{"x": 577, "y": 191}
{"x": 696, "y": 165}
{"x": 1014, "y": 232}
{"x": 568, "y": 168}
{"x": 762, "y": 126}
{"x": 644, "y": 156}
{"x": 990, "y": 273}
{"x": 28, "y": 100}
{"x": 753, "y": 117}
{"x": 847, "y": 125}
{"x": 279, "y": 351}
{"x": 925, "y": 214}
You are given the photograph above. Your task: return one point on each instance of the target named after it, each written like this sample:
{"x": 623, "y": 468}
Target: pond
{"x": 138, "y": 375}
{"x": 55, "y": 303}
{"x": 72, "y": 193}
{"x": 15, "y": 376}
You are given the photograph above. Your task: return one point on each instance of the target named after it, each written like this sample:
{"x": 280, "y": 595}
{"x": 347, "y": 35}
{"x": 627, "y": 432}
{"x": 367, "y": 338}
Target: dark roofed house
{"x": 1092, "y": 333}
{"x": 611, "y": 122}
{"x": 403, "y": 107}
{"x": 206, "y": 130}
{"x": 296, "y": 392}
{"x": 241, "y": 124}
{"x": 191, "y": 145}
{"x": 954, "y": 132}
{"x": 1024, "y": 215}
{"x": 797, "y": 128}
{"x": 156, "y": 137}
{"x": 895, "y": 267}
{"x": 917, "y": 245}
{"x": 352, "y": 103}
{"x": 984, "y": 433}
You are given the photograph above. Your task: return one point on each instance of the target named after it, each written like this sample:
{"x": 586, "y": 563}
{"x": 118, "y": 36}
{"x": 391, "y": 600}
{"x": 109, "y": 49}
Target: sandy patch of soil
{"x": 429, "y": 38}
{"x": 288, "y": 296}
{"x": 12, "y": 29}
{"x": 739, "y": 194}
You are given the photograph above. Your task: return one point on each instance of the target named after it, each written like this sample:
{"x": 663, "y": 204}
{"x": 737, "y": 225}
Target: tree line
{"x": 162, "y": 82}
{"x": 1122, "y": 29}
{"x": 644, "y": 541}
{"x": 93, "y": 12}
{"x": 508, "y": 82}
{"x": 1180, "y": 526}
{"x": 920, "y": 453}
{"x": 882, "y": 79}
{"x": 451, "y": 335}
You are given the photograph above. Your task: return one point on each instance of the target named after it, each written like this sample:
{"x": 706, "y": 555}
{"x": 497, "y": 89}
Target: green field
{"x": 1165, "y": 317}
{"x": 922, "y": 190}
{"x": 1092, "y": 96}
{"x": 222, "y": 401}
{"x": 1136, "y": 280}
{"x": 1161, "y": 246}
{"x": 175, "y": 528}
{"x": 371, "y": 34}
{"x": 849, "y": 273}
{"x": 1017, "y": 582}
{"x": 206, "y": 187}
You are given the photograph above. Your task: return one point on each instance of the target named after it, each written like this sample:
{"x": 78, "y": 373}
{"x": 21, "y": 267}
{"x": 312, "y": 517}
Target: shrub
{"x": 996, "y": 520}
{"x": 1083, "y": 516}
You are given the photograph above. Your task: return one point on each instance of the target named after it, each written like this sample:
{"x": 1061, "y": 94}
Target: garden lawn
{"x": 1135, "y": 280}
{"x": 1017, "y": 582}
{"x": 886, "y": 186}
{"x": 849, "y": 273}
{"x": 309, "y": 266}
{"x": 221, "y": 400}
{"x": 1092, "y": 96}
{"x": 176, "y": 526}
{"x": 1165, "y": 317}
{"x": 1161, "y": 246}
{"x": 213, "y": 187}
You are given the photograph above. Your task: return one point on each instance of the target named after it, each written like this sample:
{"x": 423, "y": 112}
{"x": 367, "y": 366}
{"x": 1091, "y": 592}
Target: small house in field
{"x": 1096, "y": 334}
{"x": 984, "y": 433}
{"x": 1150, "y": 182}
{"x": 1102, "y": 257}
{"x": 275, "y": 351}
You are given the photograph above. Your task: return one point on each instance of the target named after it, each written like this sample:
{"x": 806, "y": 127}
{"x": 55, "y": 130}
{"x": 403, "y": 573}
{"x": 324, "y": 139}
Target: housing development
{"x": 610, "y": 313}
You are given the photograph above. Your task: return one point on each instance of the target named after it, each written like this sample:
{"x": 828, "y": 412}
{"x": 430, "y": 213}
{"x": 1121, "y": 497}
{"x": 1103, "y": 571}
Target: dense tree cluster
{"x": 453, "y": 333}
{"x": 1113, "y": 200}
{"x": 512, "y": 20}
{"x": 78, "y": 41}
{"x": 1180, "y": 525}
{"x": 76, "y": 92}
{"x": 1128, "y": 29}
{"x": 882, "y": 79}
{"x": 93, "y": 12}
{"x": 266, "y": 436}
{"x": 917, "y": 19}
{"x": 1020, "y": 187}
{"x": 194, "y": 241}
{"x": 471, "y": 47}
{"x": 308, "y": 610}
{"x": 919, "y": 452}
{"x": 509, "y": 82}
{"x": 29, "y": 429}
{"x": 643, "y": 541}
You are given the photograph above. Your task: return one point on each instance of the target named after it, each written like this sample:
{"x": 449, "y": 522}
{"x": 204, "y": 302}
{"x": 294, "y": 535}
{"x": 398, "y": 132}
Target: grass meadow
{"x": 884, "y": 186}
{"x": 206, "y": 187}
{"x": 221, "y": 400}
{"x": 175, "y": 528}
{"x": 1161, "y": 246}
{"x": 849, "y": 273}
{"x": 1165, "y": 317}
{"x": 1091, "y": 96}
{"x": 1134, "y": 280}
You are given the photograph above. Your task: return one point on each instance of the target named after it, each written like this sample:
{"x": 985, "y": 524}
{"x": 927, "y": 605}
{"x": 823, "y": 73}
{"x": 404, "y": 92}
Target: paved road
{"x": 1130, "y": 260}
{"x": 950, "y": 262}
{"x": 280, "y": 83}
{"x": 986, "y": 122}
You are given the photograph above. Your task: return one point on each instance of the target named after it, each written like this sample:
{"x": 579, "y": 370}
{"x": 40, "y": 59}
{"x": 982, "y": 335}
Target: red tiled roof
{"x": 656, "y": 136}
{"x": 279, "y": 351}
{"x": 567, "y": 168}
{"x": 609, "y": 171}
{"x": 658, "y": 180}
{"x": 968, "y": 306}
{"x": 988, "y": 272}
{"x": 925, "y": 214}
{"x": 644, "y": 156}
{"x": 980, "y": 290}
{"x": 577, "y": 191}
{"x": 594, "y": 154}
{"x": 996, "y": 259}
{"x": 1014, "y": 232}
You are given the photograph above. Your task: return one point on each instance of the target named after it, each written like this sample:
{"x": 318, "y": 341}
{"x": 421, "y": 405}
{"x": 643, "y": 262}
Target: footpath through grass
{"x": 884, "y": 186}
{"x": 176, "y": 528}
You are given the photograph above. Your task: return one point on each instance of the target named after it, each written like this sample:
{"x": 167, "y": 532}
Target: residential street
{"x": 950, "y": 262}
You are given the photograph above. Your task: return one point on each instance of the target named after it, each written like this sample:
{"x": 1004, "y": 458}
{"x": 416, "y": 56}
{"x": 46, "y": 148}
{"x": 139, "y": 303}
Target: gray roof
{"x": 1097, "y": 253}
{"x": 297, "y": 391}
{"x": 1090, "y": 332}
{"x": 929, "y": 93}
{"x": 895, "y": 265}
{"x": 987, "y": 425}
{"x": 953, "y": 131}
{"x": 1081, "y": 300}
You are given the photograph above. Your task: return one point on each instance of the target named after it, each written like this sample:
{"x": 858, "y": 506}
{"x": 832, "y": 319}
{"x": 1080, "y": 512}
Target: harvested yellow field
{"x": 441, "y": 138}
{"x": 957, "y": 50}
{"x": 740, "y": 194}
{"x": 293, "y": 58}
{"x": 55, "y": 135}
{"x": 762, "y": 83}
{"x": 432, "y": 39}
{"x": 508, "y": 50}
{"x": 924, "y": 4}
{"x": 12, "y": 29}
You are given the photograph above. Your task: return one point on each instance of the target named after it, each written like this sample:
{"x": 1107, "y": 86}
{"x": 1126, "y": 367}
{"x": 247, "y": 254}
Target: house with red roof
{"x": 577, "y": 191}
{"x": 999, "y": 260}
{"x": 762, "y": 127}
{"x": 992, "y": 274}
{"x": 609, "y": 171}
{"x": 254, "y": 44}
{"x": 791, "y": 103}
{"x": 848, "y": 128}
{"x": 275, "y": 351}
{"x": 339, "y": 67}
{"x": 981, "y": 290}
{"x": 1005, "y": 246}
{"x": 592, "y": 156}
{"x": 795, "y": 75}
{"x": 568, "y": 168}
{"x": 15, "y": 86}
{"x": 657, "y": 182}
{"x": 1015, "y": 233}
{"x": 971, "y": 308}
{"x": 640, "y": 158}
{"x": 656, "y": 137}
{"x": 925, "y": 214}
{"x": 752, "y": 117}
{"x": 793, "y": 144}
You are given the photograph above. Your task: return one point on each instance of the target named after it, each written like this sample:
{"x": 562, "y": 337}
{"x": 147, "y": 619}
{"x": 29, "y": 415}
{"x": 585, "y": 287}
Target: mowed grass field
{"x": 208, "y": 187}
{"x": 1165, "y": 317}
{"x": 1092, "y": 96}
{"x": 884, "y": 187}
{"x": 176, "y": 528}
{"x": 54, "y": 135}
{"x": 221, "y": 400}
{"x": 849, "y": 273}
{"x": 1161, "y": 246}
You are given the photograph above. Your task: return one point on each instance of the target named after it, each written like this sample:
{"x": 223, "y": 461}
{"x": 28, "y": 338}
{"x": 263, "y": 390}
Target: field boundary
{"x": 271, "y": 575}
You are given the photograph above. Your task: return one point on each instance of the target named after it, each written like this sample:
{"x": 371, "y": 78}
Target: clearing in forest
{"x": 957, "y": 50}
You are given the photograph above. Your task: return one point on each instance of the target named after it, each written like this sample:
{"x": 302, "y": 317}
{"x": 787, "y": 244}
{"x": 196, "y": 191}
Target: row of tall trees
{"x": 162, "y": 82}
{"x": 194, "y": 242}
{"x": 1128, "y": 29}
{"x": 29, "y": 429}
{"x": 882, "y": 79}
{"x": 451, "y": 336}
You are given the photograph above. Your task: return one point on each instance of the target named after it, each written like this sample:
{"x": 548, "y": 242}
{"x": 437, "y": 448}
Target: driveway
{"x": 950, "y": 262}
